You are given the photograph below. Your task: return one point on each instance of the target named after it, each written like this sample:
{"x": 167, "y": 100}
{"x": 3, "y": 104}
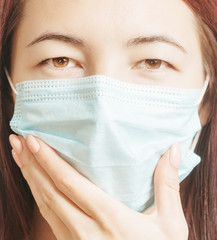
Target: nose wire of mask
{"x": 10, "y": 82}
{"x": 203, "y": 90}
{"x": 112, "y": 132}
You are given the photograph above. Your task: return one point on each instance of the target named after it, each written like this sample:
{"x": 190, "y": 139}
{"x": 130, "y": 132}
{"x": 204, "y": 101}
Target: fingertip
{"x": 16, "y": 143}
{"x": 167, "y": 195}
{"x": 32, "y": 144}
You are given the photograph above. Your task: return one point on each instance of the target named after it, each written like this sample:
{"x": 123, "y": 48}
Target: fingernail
{"x": 17, "y": 159}
{"x": 16, "y": 144}
{"x": 175, "y": 155}
{"x": 32, "y": 144}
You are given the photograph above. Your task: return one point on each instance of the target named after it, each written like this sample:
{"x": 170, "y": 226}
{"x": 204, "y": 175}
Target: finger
{"x": 85, "y": 194}
{"x": 48, "y": 198}
{"x": 166, "y": 180}
{"x": 58, "y": 228}
{"x": 16, "y": 143}
{"x": 17, "y": 149}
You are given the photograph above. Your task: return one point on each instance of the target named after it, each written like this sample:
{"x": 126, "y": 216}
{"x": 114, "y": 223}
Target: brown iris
{"x": 153, "y": 63}
{"x": 60, "y": 62}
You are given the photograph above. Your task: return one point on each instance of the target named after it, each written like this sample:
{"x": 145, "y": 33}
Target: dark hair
{"x": 16, "y": 201}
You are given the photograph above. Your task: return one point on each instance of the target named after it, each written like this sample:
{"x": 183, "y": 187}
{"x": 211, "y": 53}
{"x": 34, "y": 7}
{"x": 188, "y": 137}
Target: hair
{"x": 198, "y": 190}
{"x": 200, "y": 202}
{"x": 16, "y": 201}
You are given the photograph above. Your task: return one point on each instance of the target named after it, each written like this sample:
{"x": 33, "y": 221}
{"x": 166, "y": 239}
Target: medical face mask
{"x": 112, "y": 132}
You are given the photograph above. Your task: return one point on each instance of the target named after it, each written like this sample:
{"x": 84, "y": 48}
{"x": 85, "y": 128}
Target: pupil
{"x": 153, "y": 62}
{"x": 61, "y": 60}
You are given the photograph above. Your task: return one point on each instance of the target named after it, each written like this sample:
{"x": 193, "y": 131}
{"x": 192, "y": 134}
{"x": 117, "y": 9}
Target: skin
{"x": 82, "y": 211}
{"x": 106, "y": 35}
{"x": 113, "y": 47}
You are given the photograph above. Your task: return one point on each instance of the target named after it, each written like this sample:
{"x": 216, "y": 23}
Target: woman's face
{"x": 140, "y": 41}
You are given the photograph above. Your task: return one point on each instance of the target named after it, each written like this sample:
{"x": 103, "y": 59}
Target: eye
{"x": 152, "y": 64}
{"x": 61, "y": 62}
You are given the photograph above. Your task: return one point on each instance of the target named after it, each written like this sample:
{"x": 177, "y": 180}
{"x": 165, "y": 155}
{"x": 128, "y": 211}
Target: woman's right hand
{"x": 77, "y": 209}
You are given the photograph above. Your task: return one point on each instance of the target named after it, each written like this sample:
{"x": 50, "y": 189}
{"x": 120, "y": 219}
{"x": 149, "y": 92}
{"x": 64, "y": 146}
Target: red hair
{"x": 200, "y": 202}
{"x": 198, "y": 190}
{"x": 16, "y": 201}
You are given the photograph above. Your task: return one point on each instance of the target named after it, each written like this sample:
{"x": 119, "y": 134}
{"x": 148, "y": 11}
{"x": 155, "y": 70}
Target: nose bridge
{"x": 106, "y": 52}
{"x": 104, "y": 65}
{"x": 106, "y": 61}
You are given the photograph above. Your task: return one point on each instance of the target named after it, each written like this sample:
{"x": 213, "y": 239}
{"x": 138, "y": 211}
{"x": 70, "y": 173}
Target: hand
{"x": 77, "y": 209}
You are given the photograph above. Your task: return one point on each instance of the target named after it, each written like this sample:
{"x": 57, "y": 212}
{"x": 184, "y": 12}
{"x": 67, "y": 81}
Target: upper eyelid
{"x": 75, "y": 64}
{"x": 59, "y": 57}
{"x": 48, "y": 59}
{"x": 170, "y": 65}
{"x": 138, "y": 62}
{"x": 163, "y": 61}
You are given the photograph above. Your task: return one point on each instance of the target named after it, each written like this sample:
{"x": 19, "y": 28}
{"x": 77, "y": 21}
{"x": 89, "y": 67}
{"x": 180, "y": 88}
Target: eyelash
{"x": 77, "y": 64}
{"x": 74, "y": 62}
{"x": 162, "y": 64}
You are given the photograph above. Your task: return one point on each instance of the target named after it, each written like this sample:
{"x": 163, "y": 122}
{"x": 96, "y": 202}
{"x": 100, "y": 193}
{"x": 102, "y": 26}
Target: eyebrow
{"x": 132, "y": 42}
{"x": 155, "y": 39}
{"x": 58, "y": 37}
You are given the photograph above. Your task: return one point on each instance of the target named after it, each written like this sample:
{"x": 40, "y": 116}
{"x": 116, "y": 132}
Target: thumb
{"x": 166, "y": 181}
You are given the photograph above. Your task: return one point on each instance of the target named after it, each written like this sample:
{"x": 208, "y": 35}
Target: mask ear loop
{"x": 195, "y": 140}
{"x": 10, "y": 82}
{"x": 202, "y": 93}
{"x": 203, "y": 90}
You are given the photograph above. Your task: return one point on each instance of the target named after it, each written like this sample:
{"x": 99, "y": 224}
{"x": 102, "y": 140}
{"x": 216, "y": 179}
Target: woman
{"x": 22, "y": 48}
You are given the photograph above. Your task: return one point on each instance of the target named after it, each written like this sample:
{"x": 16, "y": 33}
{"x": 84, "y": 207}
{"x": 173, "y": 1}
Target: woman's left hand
{"x": 77, "y": 209}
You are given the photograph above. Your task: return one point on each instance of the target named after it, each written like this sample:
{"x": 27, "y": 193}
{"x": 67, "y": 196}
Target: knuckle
{"x": 49, "y": 196}
{"x": 173, "y": 184}
{"x": 44, "y": 209}
{"x": 47, "y": 201}
{"x": 108, "y": 229}
{"x": 27, "y": 169}
{"x": 65, "y": 184}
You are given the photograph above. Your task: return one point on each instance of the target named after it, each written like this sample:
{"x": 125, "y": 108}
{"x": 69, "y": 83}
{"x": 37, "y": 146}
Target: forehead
{"x": 105, "y": 20}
